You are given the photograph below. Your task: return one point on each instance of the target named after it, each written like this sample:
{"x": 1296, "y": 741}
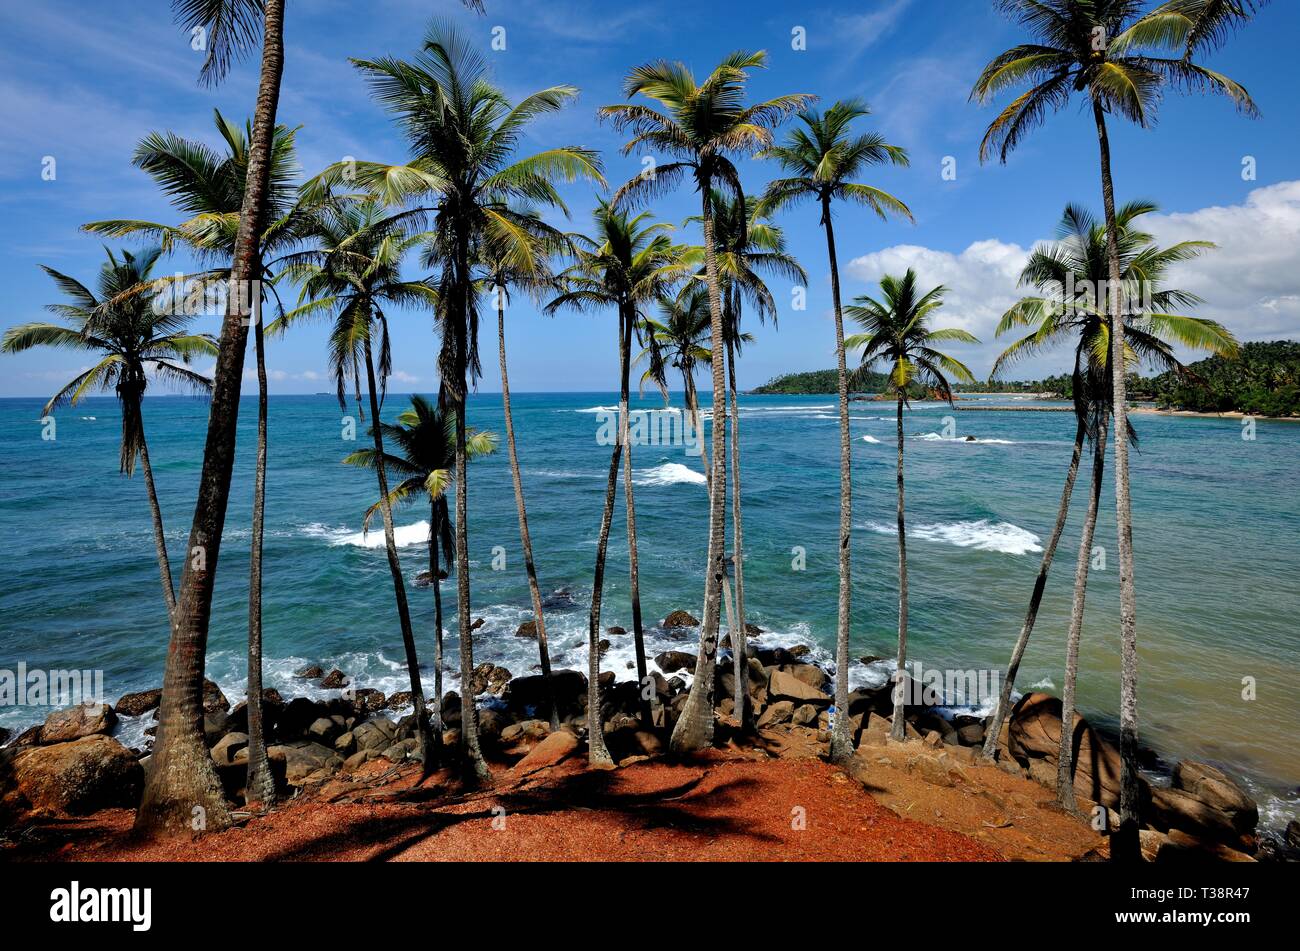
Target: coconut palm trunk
{"x": 841, "y": 735}
{"x": 473, "y": 754}
{"x": 597, "y": 753}
{"x": 898, "y": 729}
{"x": 425, "y": 733}
{"x": 1036, "y": 599}
{"x": 1124, "y": 843}
{"x": 259, "y": 788}
{"x": 435, "y": 572}
{"x": 629, "y": 500}
{"x": 694, "y": 728}
{"x": 740, "y": 662}
{"x": 135, "y": 408}
{"x": 1065, "y": 755}
{"x": 525, "y": 539}
{"x": 182, "y": 793}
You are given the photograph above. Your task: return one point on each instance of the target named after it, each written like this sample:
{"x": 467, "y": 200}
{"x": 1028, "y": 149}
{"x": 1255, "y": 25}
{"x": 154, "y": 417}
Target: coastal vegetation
{"x": 468, "y": 211}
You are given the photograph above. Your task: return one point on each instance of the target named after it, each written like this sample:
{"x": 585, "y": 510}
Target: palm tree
{"x": 821, "y": 159}
{"x": 500, "y": 276}
{"x": 133, "y": 338}
{"x": 349, "y": 277}
{"x": 627, "y": 263}
{"x": 425, "y": 437}
{"x": 1080, "y": 260}
{"x": 465, "y": 172}
{"x": 182, "y": 792}
{"x": 747, "y": 243}
{"x": 701, "y": 126}
{"x": 209, "y": 187}
{"x": 897, "y": 333}
{"x": 1108, "y": 49}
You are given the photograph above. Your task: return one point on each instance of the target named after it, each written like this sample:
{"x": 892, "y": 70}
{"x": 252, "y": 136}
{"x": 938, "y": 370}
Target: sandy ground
{"x": 723, "y": 806}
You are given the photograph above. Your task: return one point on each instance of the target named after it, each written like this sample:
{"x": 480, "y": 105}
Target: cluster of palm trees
{"x": 469, "y": 205}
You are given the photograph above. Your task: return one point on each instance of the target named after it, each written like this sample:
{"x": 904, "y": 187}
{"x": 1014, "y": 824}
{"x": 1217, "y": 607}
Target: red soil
{"x": 718, "y": 808}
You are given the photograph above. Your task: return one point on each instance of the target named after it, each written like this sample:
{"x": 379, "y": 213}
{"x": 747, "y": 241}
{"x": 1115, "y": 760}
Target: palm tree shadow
{"x": 587, "y": 791}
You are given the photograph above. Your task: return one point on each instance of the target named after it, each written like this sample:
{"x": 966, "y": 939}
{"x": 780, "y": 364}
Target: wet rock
{"x": 681, "y": 619}
{"x": 616, "y": 631}
{"x": 527, "y": 629}
{"x": 77, "y": 721}
{"x": 213, "y": 698}
{"x": 335, "y": 680}
{"x": 672, "y": 661}
{"x": 368, "y": 701}
{"x": 139, "y": 703}
{"x": 310, "y": 672}
{"x": 559, "y": 600}
{"x": 1216, "y": 789}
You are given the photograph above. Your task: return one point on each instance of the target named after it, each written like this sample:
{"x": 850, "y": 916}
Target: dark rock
{"x": 5, "y": 733}
{"x": 305, "y": 763}
{"x": 92, "y": 773}
{"x": 77, "y": 721}
{"x": 524, "y": 693}
{"x": 213, "y": 698}
{"x": 377, "y": 735}
{"x": 399, "y": 700}
{"x": 672, "y": 661}
{"x": 681, "y": 619}
{"x": 335, "y": 680}
{"x": 138, "y": 704}
{"x": 527, "y": 629}
{"x": 753, "y": 630}
{"x": 559, "y": 600}
{"x": 869, "y": 659}
{"x": 478, "y": 622}
{"x": 616, "y": 631}
{"x": 226, "y": 749}
{"x": 368, "y": 701}
{"x": 310, "y": 672}
{"x": 800, "y": 650}
{"x": 1293, "y": 833}
{"x": 216, "y": 724}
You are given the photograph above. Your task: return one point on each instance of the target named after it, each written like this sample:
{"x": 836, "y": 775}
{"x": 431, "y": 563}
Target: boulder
{"x": 1216, "y": 789}
{"x": 557, "y": 747}
{"x": 1177, "y": 809}
{"x": 80, "y": 777}
{"x": 323, "y": 730}
{"x": 139, "y": 703}
{"x": 805, "y": 715}
{"x": 305, "y": 762}
{"x": 527, "y": 629}
{"x": 775, "y": 714}
{"x": 616, "y": 631}
{"x": 525, "y": 731}
{"x": 560, "y": 599}
{"x": 368, "y": 700}
{"x": 225, "y": 750}
{"x": 213, "y": 698}
{"x": 782, "y": 685}
{"x": 376, "y": 735}
{"x": 681, "y": 619}
{"x": 335, "y": 680}
{"x": 1034, "y": 732}
{"x": 672, "y": 661}
{"x": 345, "y": 744}
{"x": 310, "y": 672}
{"x": 812, "y": 676}
{"x": 524, "y": 694}
{"x": 77, "y": 721}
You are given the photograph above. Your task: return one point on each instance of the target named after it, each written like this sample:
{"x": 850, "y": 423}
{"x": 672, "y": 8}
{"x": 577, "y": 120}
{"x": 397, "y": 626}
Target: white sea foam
{"x": 403, "y": 535}
{"x": 871, "y": 439}
{"x": 671, "y": 473}
{"x": 982, "y": 535}
{"x": 935, "y": 437}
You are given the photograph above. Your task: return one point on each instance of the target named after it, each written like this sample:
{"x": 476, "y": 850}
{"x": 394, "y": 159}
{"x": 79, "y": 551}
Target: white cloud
{"x": 1251, "y": 283}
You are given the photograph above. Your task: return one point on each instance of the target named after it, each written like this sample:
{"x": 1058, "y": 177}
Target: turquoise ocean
{"x": 1217, "y": 540}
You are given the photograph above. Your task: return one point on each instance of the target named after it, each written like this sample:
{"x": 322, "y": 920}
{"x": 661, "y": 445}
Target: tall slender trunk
{"x": 1124, "y": 843}
{"x": 356, "y": 388}
{"x": 155, "y": 512}
{"x": 694, "y": 728}
{"x": 435, "y": 571}
{"x": 898, "y": 729}
{"x": 627, "y": 324}
{"x": 1065, "y": 755}
{"x": 428, "y": 749}
{"x": 693, "y": 403}
{"x": 182, "y": 793}
{"x": 1035, "y": 599}
{"x": 841, "y": 735}
{"x": 597, "y": 753}
{"x": 524, "y": 538}
{"x": 259, "y": 786}
{"x": 473, "y": 755}
{"x": 740, "y": 662}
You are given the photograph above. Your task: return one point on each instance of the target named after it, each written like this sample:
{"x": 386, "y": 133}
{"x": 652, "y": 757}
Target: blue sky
{"x": 83, "y": 82}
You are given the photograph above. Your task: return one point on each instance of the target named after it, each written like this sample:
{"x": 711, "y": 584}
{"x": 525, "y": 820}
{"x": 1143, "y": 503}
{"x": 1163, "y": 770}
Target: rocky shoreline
{"x": 71, "y": 764}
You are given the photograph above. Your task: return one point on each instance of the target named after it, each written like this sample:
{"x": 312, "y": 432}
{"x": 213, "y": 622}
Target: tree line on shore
{"x": 467, "y": 204}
